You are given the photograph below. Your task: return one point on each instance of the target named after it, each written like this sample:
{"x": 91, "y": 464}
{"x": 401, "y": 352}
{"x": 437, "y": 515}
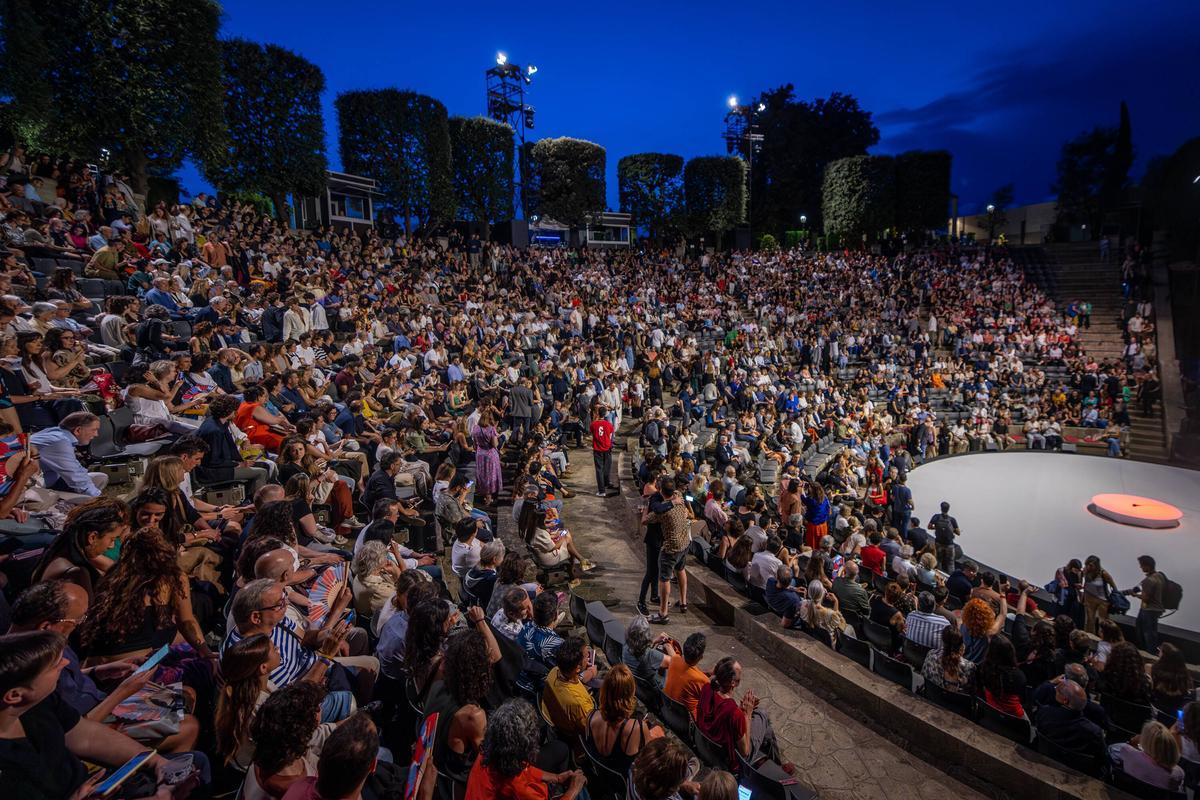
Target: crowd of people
{"x": 374, "y": 399}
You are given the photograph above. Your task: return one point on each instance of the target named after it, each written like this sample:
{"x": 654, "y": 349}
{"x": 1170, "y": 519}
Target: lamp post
{"x": 743, "y": 138}
{"x": 991, "y": 210}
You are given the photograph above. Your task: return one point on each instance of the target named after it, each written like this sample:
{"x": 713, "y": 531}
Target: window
{"x": 348, "y": 206}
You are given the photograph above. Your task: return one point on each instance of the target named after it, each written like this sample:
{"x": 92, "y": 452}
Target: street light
{"x": 803, "y": 219}
{"x": 531, "y": 69}
{"x": 762, "y": 106}
{"x": 991, "y": 209}
{"x": 501, "y": 59}
{"x": 733, "y": 101}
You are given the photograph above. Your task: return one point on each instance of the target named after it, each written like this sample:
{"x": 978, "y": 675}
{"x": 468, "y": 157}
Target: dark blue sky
{"x": 1000, "y": 85}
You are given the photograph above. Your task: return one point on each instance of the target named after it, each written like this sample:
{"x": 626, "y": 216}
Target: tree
{"x": 859, "y": 195}
{"x": 1083, "y": 169}
{"x": 799, "y": 139}
{"x": 1173, "y": 199}
{"x": 715, "y": 192}
{"x": 569, "y": 174}
{"x": 274, "y": 122}
{"x": 482, "y": 156}
{"x": 138, "y": 78}
{"x": 922, "y": 190}
{"x": 997, "y": 209}
{"x": 651, "y": 190}
{"x": 402, "y": 140}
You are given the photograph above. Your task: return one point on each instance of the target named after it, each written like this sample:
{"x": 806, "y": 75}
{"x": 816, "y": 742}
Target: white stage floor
{"x": 1025, "y": 513}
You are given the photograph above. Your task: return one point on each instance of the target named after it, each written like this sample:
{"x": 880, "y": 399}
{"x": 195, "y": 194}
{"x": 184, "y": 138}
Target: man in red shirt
{"x": 873, "y": 556}
{"x": 602, "y": 442}
{"x": 741, "y": 728}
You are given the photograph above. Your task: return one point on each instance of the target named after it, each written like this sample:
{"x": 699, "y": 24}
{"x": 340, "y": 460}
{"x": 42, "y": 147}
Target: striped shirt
{"x": 924, "y": 629}
{"x": 294, "y": 658}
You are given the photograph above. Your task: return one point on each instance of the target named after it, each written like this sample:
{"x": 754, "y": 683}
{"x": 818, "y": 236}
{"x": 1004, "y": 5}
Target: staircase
{"x": 1080, "y": 275}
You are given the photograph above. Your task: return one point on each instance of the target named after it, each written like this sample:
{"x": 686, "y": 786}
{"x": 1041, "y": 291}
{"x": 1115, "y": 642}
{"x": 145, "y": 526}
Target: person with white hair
{"x": 902, "y": 562}
{"x": 820, "y": 610}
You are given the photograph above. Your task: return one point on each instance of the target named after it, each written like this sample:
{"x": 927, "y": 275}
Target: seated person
{"x": 1060, "y": 717}
{"x": 565, "y": 696}
{"x": 46, "y": 741}
{"x": 60, "y": 463}
{"x": 783, "y": 596}
{"x": 685, "y": 679}
{"x": 740, "y": 727}
{"x": 646, "y": 655}
{"x": 614, "y": 735}
{"x": 1151, "y": 757}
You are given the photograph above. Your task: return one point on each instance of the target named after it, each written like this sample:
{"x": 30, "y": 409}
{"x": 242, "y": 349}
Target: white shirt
{"x": 464, "y": 556}
{"x": 762, "y": 568}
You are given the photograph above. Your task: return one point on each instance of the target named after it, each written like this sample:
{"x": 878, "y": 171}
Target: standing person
{"x": 488, "y": 476}
{"x": 816, "y": 515}
{"x": 520, "y": 407}
{"x": 675, "y": 521}
{"x": 1097, "y": 585}
{"x": 1150, "y": 592}
{"x": 945, "y": 529}
{"x": 602, "y": 444}
{"x": 656, "y": 504}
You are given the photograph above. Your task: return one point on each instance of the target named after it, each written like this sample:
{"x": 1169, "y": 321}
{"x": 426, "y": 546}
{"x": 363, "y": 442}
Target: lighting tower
{"x": 743, "y": 139}
{"x": 506, "y": 86}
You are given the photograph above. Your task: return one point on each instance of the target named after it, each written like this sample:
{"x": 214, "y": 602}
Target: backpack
{"x": 943, "y": 530}
{"x": 1172, "y": 594}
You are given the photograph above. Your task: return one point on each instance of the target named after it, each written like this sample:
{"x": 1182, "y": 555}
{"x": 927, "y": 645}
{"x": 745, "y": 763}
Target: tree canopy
{"x": 1093, "y": 173}
{"x": 402, "y": 140}
{"x": 275, "y": 126}
{"x": 799, "y": 139}
{"x": 569, "y": 175}
{"x": 651, "y": 190}
{"x": 859, "y": 196}
{"x": 482, "y": 156}
{"x": 922, "y": 190}
{"x": 138, "y": 78}
{"x": 715, "y": 191}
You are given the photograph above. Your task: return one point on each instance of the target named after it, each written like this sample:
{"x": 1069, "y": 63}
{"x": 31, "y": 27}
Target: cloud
{"x": 1008, "y": 123}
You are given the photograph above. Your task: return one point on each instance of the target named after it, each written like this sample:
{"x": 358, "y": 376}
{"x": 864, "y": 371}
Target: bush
{"x": 261, "y": 204}
{"x": 768, "y": 242}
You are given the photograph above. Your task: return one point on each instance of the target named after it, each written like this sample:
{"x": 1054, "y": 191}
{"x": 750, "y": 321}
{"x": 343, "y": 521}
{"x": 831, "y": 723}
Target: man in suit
{"x": 520, "y": 408}
{"x": 223, "y": 461}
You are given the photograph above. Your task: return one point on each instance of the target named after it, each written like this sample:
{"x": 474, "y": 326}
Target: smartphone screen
{"x": 112, "y": 782}
{"x": 152, "y": 662}
{"x": 743, "y": 793}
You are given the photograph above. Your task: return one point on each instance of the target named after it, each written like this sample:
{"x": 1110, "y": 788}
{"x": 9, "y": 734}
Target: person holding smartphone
{"x": 43, "y": 741}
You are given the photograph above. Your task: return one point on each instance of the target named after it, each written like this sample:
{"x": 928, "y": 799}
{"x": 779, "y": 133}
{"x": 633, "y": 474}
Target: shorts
{"x": 669, "y": 563}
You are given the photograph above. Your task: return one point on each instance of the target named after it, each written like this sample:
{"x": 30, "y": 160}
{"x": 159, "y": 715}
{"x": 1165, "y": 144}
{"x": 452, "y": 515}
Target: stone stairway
{"x": 1081, "y": 275}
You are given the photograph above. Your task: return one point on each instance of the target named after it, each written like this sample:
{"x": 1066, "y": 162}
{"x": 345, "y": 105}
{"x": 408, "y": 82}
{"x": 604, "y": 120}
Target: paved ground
{"x": 836, "y": 755}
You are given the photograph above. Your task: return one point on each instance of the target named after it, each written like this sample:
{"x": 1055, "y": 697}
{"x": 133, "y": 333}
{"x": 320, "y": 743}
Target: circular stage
{"x": 1027, "y": 513}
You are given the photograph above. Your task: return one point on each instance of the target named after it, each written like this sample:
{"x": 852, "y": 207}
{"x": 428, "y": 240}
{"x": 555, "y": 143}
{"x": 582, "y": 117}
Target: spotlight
{"x": 733, "y": 101}
{"x": 531, "y": 69}
{"x": 991, "y": 209}
{"x": 534, "y": 218}
{"x": 762, "y": 106}
{"x": 803, "y": 219}
{"x": 501, "y": 59}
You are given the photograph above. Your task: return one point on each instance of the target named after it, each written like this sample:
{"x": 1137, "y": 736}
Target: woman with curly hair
{"x": 979, "y": 624}
{"x": 1124, "y": 675}
{"x": 288, "y": 735}
{"x": 143, "y": 603}
{"x": 275, "y": 520}
{"x": 78, "y": 554}
{"x": 514, "y": 764}
{"x": 458, "y": 700}
{"x": 425, "y": 640}
{"x": 244, "y": 687}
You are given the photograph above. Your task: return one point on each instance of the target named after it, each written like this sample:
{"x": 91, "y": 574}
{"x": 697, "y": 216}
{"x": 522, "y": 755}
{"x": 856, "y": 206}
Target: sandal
{"x": 681, "y": 606}
{"x": 659, "y": 619}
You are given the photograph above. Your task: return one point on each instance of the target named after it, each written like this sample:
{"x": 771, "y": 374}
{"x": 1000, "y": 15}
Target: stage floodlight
{"x": 733, "y": 101}
{"x": 501, "y": 59}
{"x": 531, "y": 69}
{"x": 1196, "y": 179}
{"x": 762, "y": 106}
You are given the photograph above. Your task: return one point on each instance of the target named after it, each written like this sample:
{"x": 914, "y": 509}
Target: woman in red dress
{"x": 255, "y": 421}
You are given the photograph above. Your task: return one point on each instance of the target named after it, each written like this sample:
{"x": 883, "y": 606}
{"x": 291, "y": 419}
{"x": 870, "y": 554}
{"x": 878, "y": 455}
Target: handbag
{"x": 1117, "y": 603}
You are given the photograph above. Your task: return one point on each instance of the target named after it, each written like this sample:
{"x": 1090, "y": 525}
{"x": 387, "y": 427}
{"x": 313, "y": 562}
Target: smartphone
{"x": 114, "y": 781}
{"x": 743, "y": 793}
{"x": 153, "y": 660}
{"x": 689, "y": 498}
{"x": 592, "y": 657}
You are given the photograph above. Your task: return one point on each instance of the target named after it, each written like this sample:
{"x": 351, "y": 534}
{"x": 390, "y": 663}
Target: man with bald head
{"x": 60, "y": 606}
{"x": 1061, "y": 716}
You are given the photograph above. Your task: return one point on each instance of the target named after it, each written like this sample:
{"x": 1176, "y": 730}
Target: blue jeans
{"x": 337, "y": 706}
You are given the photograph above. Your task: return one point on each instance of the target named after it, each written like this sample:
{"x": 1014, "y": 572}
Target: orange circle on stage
{"x": 1130, "y": 509}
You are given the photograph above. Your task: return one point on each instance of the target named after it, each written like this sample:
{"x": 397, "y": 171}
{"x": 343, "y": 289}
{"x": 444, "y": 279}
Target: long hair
{"x": 166, "y": 473}
{"x": 148, "y": 565}
{"x": 618, "y": 695}
{"x": 952, "y": 642}
{"x": 241, "y": 682}
{"x": 426, "y": 634}
{"x": 1170, "y": 672}
{"x": 1125, "y": 672}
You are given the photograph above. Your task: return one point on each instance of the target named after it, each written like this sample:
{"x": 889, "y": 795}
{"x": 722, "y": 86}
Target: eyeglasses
{"x": 276, "y": 607}
{"x": 73, "y": 620}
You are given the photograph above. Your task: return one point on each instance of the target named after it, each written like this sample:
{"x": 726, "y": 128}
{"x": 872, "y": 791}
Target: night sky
{"x": 1000, "y": 85}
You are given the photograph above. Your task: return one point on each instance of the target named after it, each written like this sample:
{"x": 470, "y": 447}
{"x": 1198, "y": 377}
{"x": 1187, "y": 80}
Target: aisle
{"x": 836, "y": 755}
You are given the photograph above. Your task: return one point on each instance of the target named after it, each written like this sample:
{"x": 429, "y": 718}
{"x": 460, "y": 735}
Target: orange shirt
{"x": 683, "y": 683}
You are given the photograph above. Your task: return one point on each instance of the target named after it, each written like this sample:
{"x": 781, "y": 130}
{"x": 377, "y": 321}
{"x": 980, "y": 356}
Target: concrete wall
{"x": 1038, "y": 219}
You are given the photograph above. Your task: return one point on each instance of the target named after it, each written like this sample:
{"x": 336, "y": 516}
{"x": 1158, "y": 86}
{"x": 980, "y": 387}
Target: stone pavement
{"x": 838, "y": 756}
